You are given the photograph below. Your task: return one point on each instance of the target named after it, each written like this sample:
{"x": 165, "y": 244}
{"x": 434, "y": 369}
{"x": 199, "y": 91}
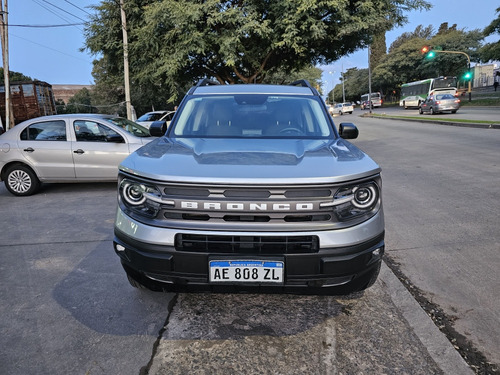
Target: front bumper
{"x": 348, "y": 256}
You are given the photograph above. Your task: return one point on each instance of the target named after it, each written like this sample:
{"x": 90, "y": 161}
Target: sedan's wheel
{"x": 420, "y": 111}
{"x": 431, "y": 111}
{"x": 21, "y": 180}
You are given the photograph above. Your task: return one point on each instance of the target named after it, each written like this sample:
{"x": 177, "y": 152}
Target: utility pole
{"x": 4, "y": 34}
{"x": 343, "y": 86}
{"x": 125, "y": 62}
{"x": 369, "y": 79}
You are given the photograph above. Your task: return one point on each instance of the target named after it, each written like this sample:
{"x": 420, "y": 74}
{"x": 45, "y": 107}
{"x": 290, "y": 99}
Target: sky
{"x": 52, "y": 54}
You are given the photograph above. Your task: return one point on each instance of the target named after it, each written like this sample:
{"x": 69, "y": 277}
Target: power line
{"x": 53, "y": 49}
{"x": 65, "y": 11}
{"x": 43, "y": 26}
{"x": 54, "y": 13}
{"x": 76, "y": 6}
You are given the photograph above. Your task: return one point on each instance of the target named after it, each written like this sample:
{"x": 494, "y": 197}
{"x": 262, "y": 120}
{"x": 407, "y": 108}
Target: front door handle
{"x": 79, "y": 151}
{"x": 29, "y": 149}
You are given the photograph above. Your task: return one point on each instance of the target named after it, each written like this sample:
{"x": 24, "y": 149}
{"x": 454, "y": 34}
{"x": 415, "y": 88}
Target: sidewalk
{"x": 383, "y": 331}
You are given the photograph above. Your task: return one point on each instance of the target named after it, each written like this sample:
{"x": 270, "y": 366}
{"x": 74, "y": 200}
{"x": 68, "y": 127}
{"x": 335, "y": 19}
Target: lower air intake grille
{"x": 247, "y": 244}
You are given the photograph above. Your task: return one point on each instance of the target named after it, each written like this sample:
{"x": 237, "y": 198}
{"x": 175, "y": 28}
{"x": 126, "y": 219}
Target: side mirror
{"x": 158, "y": 128}
{"x": 114, "y": 138}
{"x": 348, "y": 130}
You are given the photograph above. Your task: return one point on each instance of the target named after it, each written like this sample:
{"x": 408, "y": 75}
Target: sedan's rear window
{"x": 45, "y": 131}
{"x": 252, "y": 115}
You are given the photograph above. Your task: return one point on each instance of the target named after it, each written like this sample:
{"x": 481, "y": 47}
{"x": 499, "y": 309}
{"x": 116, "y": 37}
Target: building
{"x": 29, "y": 99}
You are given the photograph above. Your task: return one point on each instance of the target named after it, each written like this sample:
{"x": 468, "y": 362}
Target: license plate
{"x": 246, "y": 271}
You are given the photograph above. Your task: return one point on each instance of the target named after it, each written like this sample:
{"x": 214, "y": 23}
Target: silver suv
{"x": 252, "y": 187}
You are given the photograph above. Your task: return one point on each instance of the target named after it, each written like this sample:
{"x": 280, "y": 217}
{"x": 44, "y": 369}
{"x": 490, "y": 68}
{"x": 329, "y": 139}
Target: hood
{"x": 252, "y": 161}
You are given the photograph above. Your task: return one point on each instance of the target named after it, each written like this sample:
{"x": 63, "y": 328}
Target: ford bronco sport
{"x": 251, "y": 188}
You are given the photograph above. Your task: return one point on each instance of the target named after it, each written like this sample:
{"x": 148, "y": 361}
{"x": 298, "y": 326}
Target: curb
{"x": 438, "y": 346}
{"x": 448, "y": 123}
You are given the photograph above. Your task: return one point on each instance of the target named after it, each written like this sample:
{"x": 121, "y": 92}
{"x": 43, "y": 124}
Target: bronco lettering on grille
{"x": 235, "y": 206}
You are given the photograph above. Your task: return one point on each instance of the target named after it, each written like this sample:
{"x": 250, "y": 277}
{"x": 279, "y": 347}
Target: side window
{"x": 45, "y": 131}
{"x": 90, "y": 131}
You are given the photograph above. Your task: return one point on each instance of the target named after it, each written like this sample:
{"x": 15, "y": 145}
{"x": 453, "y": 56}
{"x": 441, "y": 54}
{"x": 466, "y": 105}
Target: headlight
{"x": 133, "y": 193}
{"x": 140, "y": 198}
{"x": 356, "y": 201}
{"x": 364, "y": 196}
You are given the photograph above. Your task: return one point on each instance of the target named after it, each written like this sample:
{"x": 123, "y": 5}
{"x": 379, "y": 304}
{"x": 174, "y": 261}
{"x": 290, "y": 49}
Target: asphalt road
{"x": 465, "y": 112}
{"x": 66, "y": 306}
{"x": 442, "y": 203}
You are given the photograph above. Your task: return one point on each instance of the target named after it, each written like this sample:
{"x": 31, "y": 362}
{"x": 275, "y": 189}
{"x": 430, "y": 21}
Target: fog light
{"x": 119, "y": 247}
{"x": 376, "y": 252}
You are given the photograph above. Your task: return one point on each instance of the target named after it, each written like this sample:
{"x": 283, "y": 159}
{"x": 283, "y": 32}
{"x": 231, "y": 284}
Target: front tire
{"x": 432, "y": 111}
{"x": 20, "y": 180}
{"x": 420, "y": 111}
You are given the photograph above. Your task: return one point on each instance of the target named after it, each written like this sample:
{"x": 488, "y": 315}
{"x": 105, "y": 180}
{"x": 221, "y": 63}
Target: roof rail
{"x": 203, "y": 82}
{"x": 305, "y": 83}
{"x": 206, "y": 82}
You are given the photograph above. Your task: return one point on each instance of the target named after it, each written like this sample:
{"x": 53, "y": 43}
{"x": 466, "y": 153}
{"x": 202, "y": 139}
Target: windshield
{"x": 252, "y": 116}
{"x": 445, "y": 82}
{"x": 129, "y": 126}
{"x": 444, "y": 96}
{"x": 151, "y": 116}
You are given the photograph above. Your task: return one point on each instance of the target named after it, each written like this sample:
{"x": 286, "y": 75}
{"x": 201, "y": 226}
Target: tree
{"x": 175, "y": 42}
{"x": 355, "y": 85}
{"x": 405, "y": 62}
{"x": 280, "y": 77}
{"x": 420, "y": 32}
{"x": 14, "y": 76}
{"x": 81, "y": 102}
{"x": 378, "y": 49}
{"x": 491, "y": 51}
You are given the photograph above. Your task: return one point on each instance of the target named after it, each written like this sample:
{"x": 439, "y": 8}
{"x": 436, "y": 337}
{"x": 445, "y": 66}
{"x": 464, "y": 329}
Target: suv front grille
{"x": 246, "y": 244}
{"x": 247, "y": 208}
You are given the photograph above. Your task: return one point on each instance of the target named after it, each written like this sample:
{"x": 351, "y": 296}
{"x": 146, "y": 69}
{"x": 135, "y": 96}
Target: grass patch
{"x": 478, "y": 101}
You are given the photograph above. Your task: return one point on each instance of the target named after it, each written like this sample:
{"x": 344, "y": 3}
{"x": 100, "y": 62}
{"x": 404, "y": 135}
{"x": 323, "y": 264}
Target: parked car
{"x": 66, "y": 148}
{"x": 342, "y": 108}
{"x": 440, "y": 103}
{"x": 148, "y": 118}
{"x": 168, "y": 117}
{"x": 252, "y": 186}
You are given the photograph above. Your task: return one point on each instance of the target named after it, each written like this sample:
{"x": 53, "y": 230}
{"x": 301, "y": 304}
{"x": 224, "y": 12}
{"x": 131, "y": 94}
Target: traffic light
{"x": 467, "y": 75}
{"x": 428, "y": 52}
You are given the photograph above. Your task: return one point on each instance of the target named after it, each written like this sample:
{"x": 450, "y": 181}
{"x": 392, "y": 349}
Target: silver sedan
{"x": 66, "y": 148}
{"x": 440, "y": 103}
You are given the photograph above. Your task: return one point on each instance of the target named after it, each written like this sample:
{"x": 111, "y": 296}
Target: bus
{"x": 414, "y": 93}
{"x": 376, "y": 100}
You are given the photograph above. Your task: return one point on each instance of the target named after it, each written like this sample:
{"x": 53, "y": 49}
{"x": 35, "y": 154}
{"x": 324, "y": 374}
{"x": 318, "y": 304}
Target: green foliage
{"x": 420, "y": 32}
{"x": 14, "y": 76}
{"x": 355, "y": 85}
{"x": 405, "y": 62}
{"x": 280, "y": 77}
{"x": 173, "y": 43}
{"x": 491, "y": 51}
{"x": 378, "y": 49}
{"x": 81, "y": 102}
